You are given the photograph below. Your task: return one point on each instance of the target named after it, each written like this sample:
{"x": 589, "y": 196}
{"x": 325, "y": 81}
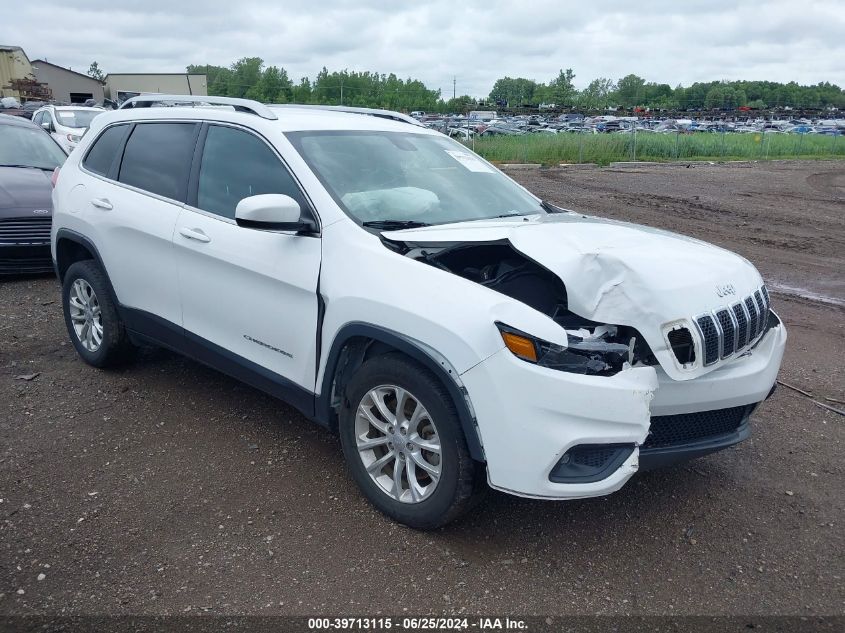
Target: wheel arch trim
{"x": 430, "y": 358}
{"x": 78, "y": 238}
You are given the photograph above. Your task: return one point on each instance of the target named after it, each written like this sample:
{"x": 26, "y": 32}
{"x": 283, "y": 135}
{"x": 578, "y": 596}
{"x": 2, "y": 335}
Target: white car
{"x": 394, "y": 286}
{"x": 66, "y": 124}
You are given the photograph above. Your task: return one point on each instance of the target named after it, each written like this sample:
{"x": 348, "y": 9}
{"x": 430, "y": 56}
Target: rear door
{"x": 133, "y": 197}
{"x": 249, "y": 295}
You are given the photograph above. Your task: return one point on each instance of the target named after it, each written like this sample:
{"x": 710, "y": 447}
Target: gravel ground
{"x": 167, "y": 488}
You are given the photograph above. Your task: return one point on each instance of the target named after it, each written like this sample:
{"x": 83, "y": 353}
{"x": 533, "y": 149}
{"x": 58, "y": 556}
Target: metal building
{"x": 67, "y": 85}
{"x": 15, "y": 69}
{"x": 121, "y": 86}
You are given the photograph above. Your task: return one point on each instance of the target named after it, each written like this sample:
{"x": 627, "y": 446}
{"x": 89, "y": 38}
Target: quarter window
{"x": 102, "y": 153}
{"x": 236, "y": 165}
{"x": 157, "y": 158}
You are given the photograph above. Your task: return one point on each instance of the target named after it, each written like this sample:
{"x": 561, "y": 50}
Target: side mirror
{"x": 272, "y": 212}
{"x": 47, "y": 125}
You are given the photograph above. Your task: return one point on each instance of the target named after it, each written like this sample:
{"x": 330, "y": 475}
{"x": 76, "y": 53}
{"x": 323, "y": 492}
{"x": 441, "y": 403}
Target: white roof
{"x": 289, "y": 118}
{"x": 86, "y": 108}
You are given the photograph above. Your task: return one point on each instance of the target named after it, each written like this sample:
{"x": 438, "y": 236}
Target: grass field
{"x": 607, "y": 148}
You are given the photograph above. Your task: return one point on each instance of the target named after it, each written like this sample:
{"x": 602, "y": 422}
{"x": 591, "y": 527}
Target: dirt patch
{"x": 786, "y": 217}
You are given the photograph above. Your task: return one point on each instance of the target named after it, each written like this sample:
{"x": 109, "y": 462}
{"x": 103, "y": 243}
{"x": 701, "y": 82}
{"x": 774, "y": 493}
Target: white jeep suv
{"x": 392, "y": 285}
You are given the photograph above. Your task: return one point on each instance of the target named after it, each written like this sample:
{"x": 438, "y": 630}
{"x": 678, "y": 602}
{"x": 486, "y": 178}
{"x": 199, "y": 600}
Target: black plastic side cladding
{"x": 323, "y": 405}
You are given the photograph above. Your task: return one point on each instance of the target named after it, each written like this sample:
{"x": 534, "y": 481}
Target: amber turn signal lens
{"x": 521, "y": 346}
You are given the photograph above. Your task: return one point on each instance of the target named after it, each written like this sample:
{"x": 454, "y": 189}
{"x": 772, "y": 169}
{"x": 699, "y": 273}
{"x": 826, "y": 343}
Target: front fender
{"x": 420, "y": 352}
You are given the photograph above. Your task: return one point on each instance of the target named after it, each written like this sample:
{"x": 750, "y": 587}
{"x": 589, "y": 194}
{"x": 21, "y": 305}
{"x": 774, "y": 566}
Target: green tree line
{"x": 249, "y": 77}
{"x": 633, "y": 91}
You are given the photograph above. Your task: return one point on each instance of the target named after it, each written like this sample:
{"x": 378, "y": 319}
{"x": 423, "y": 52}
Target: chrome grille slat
{"x": 758, "y": 298}
{"x": 25, "y": 230}
{"x": 741, "y": 318}
{"x": 728, "y": 332}
{"x": 710, "y": 336}
{"x": 753, "y": 318}
{"x": 17, "y": 230}
{"x": 34, "y": 221}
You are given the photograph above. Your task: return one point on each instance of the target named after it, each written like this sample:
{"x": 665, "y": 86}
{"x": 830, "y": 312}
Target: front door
{"x": 249, "y": 296}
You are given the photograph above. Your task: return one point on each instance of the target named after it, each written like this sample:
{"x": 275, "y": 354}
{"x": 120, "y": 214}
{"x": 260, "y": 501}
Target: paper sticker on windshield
{"x": 469, "y": 161}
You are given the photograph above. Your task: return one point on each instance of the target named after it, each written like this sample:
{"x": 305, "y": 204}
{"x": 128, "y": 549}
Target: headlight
{"x": 605, "y": 351}
{"x": 73, "y": 138}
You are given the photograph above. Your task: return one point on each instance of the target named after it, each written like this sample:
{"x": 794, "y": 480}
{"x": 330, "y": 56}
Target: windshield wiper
{"x": 550, "y": 208}
{"x": 394, "y": 225}
{"x": 29, "y": 167}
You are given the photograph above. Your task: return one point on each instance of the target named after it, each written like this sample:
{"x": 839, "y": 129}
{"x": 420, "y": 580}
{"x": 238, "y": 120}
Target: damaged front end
{"x": 598, "y": 303}
{"x": 593, "y": 348}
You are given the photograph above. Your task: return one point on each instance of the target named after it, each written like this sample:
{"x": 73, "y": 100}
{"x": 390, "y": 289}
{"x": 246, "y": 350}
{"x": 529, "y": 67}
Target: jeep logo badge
{"x": 726, "y": 289}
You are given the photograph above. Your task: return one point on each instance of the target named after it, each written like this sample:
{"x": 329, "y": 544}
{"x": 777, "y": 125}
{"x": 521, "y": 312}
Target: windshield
{"x": 76, "y": 118}
{"x": 410, "y": 178}
{"x": 29, "y": 147}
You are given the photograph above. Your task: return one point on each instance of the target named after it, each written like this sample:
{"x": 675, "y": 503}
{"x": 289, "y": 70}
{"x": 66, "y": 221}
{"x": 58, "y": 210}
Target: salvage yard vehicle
{"x": 66, "y": 124}
{"x": 28, "y": 157}
{"x": 394, "y": 286}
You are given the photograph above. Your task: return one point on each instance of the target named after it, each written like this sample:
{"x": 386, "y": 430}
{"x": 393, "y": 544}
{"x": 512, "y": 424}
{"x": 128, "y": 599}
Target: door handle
{"x": 194, "y": 234}
{"x": 102, "y": 203}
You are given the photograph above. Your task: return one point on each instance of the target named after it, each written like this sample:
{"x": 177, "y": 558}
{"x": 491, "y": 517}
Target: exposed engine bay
{"x": 497, "y": 265}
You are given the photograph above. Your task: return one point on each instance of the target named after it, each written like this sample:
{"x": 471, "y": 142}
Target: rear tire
{"x": 93, "y": 323}
{"x": 403, "y": 443}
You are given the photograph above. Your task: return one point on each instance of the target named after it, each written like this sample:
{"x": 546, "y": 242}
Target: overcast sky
{"x": 476, "y": 41}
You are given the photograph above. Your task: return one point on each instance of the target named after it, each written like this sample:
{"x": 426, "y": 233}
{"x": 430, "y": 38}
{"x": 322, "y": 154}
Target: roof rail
{"x": 383, "y": 114}
{"x": 240, "y": 105}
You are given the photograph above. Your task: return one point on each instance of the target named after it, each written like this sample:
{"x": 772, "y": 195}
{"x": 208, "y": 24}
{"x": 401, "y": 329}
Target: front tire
{"x": 403, "y": 443}
{"x": 92, "y": 320}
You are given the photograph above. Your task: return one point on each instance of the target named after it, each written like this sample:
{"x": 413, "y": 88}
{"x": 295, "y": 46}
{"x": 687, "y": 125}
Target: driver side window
{"x": 235, "y": 165}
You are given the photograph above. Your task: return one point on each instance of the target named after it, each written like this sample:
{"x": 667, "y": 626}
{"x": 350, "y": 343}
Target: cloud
{"x": 476, "y": 42}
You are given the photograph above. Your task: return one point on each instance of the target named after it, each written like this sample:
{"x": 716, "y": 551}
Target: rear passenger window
{"x": 102, "y": 152}
{"x": 157, "y": 158}
{"x": 236, "y": 165}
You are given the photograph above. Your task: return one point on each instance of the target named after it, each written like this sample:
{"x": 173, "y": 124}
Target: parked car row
{"x": 465, "y": 127}
{"x": 65, "y": 122}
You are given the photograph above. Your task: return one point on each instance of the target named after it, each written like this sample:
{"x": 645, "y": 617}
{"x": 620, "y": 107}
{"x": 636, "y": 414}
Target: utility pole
{"x": 454, "y": 84}
{"x": 341, "y": 91}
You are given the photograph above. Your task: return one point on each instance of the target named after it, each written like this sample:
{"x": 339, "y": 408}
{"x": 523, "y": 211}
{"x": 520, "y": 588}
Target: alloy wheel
{"x": 86, "y": 315}
{"x": 398, "y": 443}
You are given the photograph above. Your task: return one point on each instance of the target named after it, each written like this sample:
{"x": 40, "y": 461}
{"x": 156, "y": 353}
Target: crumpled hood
{"x": 614, "y": 272}
{"x": 23, "y": 190}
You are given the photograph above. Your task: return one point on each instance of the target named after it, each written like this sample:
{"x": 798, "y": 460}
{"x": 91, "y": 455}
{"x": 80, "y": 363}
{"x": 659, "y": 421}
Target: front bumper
{"x": 25, "y": 259}
{"x": 529, "y": 416}
{"x": 661, "y": 456}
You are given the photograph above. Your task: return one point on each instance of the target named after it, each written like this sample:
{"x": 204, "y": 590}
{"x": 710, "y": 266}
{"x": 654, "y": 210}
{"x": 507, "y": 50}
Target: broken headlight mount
{"x": 603, "y": 351}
